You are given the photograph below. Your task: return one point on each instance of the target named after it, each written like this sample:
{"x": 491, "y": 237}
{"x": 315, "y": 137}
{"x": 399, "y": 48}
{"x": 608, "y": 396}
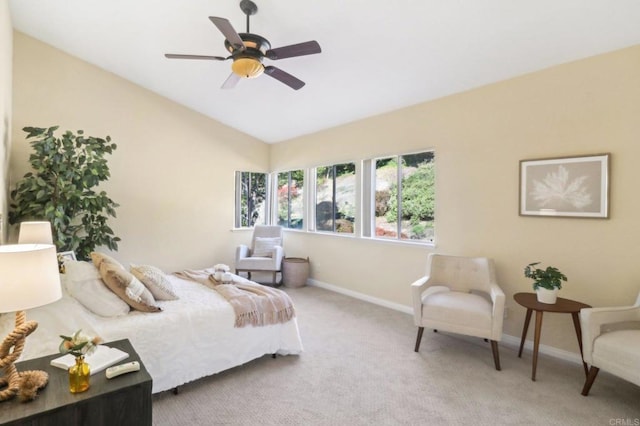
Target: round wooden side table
{"x": 562, "y": 306}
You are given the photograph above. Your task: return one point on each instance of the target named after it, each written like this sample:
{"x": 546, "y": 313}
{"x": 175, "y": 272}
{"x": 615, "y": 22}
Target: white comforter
{"x": 193, "y": 337}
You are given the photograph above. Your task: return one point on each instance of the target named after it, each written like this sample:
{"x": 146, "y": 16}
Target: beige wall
{"x": 173, "y": 175}
{"x": 586, "y": 107}
{"x": 173, "y": 171}
{"x": 6, "y": 53}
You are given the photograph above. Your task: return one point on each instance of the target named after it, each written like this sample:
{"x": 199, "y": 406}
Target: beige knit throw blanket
{"x": 253, "y": 304}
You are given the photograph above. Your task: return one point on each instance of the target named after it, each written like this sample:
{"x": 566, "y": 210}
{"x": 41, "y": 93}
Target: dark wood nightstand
{"x": 123, "y": 400}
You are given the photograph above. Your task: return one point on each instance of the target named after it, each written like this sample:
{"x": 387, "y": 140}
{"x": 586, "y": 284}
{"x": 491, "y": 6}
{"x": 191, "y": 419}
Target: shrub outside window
{"x": 251, "y": 196}
{"x": 336, "y": 198}
{"x": 404, "y": 203}
{"x": 291, "y": 199}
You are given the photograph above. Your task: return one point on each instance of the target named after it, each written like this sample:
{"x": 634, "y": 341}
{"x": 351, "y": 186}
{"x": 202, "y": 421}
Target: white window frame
{"x": 238, "y": 199}
{"x": 305, "y": 200}
{"x": 312, "y": 193}
{"x": 369, "y": 200}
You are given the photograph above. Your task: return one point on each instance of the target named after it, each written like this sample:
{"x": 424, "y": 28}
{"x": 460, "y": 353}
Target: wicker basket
{"x": 295, "y": 271}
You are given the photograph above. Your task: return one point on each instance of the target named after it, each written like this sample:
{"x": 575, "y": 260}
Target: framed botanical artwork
{"x": 565, "y": 186}
{"x": 66, "y": 255}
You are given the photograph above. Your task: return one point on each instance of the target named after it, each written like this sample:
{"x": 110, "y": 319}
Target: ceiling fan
{"x": 247, "y": 51}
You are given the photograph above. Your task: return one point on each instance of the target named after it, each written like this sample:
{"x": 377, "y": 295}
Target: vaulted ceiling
{"x": 377, "y": 55}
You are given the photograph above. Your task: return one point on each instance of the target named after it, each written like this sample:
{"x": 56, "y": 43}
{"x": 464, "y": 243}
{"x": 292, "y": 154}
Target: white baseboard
{"x": 361, "y": 296}
{"x": 511, "y": 341}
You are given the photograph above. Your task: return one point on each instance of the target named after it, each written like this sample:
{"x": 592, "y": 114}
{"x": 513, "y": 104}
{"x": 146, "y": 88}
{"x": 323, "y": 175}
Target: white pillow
{"x": 155, "y": 281}
{"x": 78, "y": 270}
{"x": 82, "y": 281}
{"x": 263, "y": 247}
{"x": 96, "y": 297}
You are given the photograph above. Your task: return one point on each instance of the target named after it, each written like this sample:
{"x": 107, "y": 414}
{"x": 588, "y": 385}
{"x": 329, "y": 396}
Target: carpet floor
{"x": 359, "y": 368}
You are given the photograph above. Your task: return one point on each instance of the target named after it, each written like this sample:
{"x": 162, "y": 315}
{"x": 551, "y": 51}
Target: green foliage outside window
{"x": 253, "y": 195}
{"x": 290, "y": 199}
{"x": 416, "y": 196}
{"x": 335, "y": 198}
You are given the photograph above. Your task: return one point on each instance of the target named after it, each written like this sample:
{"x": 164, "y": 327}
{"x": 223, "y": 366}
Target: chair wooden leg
{"x": 496, "y": 354}
{"x": 420, "y": 331}
{"x": 591, "y": 377}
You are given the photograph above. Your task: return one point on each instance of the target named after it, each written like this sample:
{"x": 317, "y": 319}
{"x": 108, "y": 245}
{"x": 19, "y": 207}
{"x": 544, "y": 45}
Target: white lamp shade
{"x": 35, "y": 233}
{"x": 29, "y": 276}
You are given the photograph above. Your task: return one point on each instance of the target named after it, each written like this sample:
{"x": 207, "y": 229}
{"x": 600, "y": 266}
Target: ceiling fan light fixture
{"x": 247, "y": 67}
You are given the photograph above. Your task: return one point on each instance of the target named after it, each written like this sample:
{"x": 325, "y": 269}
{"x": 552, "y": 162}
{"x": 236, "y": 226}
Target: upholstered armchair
{"x": 265, "y": 253}
{"x": 460, "y": 295}
{"x": 611, "y": 341}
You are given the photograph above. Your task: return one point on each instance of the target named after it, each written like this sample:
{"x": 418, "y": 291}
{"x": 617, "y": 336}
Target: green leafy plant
{"x": 548, "y": 278}
{"x": 61, "y": 188}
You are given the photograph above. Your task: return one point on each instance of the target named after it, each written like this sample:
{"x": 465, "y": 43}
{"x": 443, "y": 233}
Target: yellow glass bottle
{"x": 79, "y": 376}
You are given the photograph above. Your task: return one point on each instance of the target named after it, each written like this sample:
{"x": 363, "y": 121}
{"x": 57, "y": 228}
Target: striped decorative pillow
{"x": 155, "y": 281}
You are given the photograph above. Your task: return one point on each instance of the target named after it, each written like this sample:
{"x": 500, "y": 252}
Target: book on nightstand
{"x": 101, "y": 358}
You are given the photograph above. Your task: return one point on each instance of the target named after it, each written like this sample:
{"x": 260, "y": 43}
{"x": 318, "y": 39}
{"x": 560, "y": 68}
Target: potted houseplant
{"x": 546, "y": 282}
{"x": 62, "y": 188}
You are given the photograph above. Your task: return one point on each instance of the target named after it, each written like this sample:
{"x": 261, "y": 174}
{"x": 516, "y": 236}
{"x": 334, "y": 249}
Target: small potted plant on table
{"x": 546, "y": 282}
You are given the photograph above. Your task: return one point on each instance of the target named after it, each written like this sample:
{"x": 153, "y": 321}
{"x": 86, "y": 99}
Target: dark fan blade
{"x": 284, "y": 77}
{"x": 180, "y": 56}
{"x": 228, "y": 32}
{"x": 231, "y": 81}
{"x": 300, "y": 49}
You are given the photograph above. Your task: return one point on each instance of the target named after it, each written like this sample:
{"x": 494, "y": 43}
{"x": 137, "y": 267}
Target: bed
{"x": 193, "y": 337}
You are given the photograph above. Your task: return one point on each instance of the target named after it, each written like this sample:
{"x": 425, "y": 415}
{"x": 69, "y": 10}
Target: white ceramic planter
{"x": 547, "y": 296}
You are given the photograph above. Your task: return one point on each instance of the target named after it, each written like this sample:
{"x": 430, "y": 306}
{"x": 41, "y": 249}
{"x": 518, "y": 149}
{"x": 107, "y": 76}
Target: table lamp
{"x": 28, "y": 278}
{"x": 35, "y": 233}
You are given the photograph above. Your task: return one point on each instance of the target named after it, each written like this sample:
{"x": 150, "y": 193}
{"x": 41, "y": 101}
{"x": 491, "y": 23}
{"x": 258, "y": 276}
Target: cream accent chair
{"x": 265, "y": 253}
{"x": 611, "y": 341}
{"x": 460, "y": 295}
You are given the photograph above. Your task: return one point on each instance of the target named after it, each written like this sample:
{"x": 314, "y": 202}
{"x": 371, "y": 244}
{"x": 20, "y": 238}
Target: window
{"x": 251, "y": 196}
{"x": 335, "y": 198}
{"x": 404, "y": 202}
{"x": 291, "y": 199}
